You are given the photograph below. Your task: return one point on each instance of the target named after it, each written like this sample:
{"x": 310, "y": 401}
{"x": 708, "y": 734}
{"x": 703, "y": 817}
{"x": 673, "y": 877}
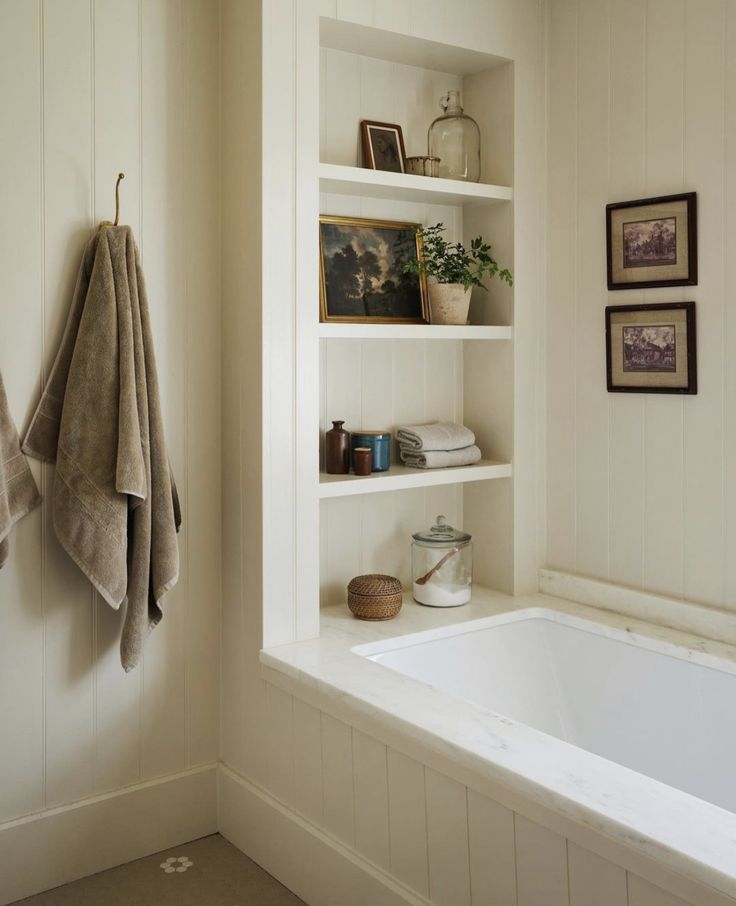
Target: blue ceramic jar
{"x": 379, "y": 443}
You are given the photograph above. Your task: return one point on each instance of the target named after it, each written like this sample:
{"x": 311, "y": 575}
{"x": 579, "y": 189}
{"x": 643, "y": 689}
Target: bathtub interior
{"x": 656, "y": 712}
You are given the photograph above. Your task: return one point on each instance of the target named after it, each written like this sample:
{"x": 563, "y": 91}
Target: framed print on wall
{"x": 652, "y": 242}
{"x": 651, "y": 348}
{"x": 383, "y": 146}
{"x": 362, "y": 271}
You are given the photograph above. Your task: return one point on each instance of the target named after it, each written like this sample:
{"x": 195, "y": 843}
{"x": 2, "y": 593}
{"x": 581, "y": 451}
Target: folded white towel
{"x": 440, "y": 459}
{"x": 437, "y": 436}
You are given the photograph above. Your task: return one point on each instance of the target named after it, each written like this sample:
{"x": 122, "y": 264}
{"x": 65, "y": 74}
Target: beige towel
{"x": 114, "y": 501}
{"x": 441, "y": 459}
{"x": 18, "y": 490}
{"x": 436, "y": 436}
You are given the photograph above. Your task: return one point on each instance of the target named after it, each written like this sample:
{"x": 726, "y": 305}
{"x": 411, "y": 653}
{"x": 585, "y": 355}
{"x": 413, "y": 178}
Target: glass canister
{"x": 442, "y": 565}
{"x": 454, "y": 137}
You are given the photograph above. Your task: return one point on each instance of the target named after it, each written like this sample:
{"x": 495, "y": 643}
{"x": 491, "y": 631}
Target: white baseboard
{"x": 697, "y": 619}
{"x": 316, "y": 867}
{"x": 63, "y": 844}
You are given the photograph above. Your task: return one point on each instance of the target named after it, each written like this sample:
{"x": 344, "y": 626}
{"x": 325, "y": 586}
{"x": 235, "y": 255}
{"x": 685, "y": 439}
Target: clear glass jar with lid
{"x": 442, "y": 565}
{"x": 454, "y": 137}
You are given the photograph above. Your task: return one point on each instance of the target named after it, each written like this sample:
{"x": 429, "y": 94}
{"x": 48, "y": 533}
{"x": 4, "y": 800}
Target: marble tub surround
{"x": 675, "y": 613}
{"x": 506, "y": 760}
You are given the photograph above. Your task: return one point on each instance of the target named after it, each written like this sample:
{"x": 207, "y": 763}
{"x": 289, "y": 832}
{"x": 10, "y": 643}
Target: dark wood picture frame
{"x": 370, "y": 158}
{"x": 691, "y": 387}
{"x": 691, "y": 277}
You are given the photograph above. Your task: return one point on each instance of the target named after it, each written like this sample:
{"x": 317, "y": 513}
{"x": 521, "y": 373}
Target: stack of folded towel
{"x": 437, "y": 446}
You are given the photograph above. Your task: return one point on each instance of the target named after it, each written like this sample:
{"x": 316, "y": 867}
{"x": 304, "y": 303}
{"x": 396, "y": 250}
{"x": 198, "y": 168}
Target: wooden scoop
{"x": 427, "y": 576}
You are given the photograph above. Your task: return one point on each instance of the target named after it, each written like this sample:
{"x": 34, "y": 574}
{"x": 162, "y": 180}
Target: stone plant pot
{"x": 449, "y": 303}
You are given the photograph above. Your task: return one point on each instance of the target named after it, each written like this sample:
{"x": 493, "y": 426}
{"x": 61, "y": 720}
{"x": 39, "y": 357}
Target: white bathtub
{"x": 666, "y": 712}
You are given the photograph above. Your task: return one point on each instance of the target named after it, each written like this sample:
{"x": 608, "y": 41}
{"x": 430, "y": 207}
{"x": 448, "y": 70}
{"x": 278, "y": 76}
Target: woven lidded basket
{"x": 374, "y": 597}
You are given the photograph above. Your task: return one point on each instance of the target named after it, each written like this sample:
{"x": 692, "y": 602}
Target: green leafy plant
{"x": 452, "y": 262}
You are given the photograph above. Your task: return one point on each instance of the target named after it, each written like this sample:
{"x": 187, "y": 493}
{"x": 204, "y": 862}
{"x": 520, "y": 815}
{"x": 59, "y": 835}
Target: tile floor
{"x": 206, "y": 872}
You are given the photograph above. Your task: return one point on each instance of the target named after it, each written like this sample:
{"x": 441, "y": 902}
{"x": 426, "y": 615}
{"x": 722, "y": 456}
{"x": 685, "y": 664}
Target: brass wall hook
{"x": 117, "y": 198}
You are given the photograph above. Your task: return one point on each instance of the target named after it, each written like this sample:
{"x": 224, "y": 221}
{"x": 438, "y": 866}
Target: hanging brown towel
{"x": 18, "y": 489}
{"x": 114, "y": 501}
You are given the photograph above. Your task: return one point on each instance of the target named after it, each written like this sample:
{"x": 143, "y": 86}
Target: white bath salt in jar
{"x": 442, "y": 565}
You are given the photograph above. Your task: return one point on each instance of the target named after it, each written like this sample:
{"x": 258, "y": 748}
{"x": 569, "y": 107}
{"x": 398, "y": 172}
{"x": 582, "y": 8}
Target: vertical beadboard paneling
{"x": 668, "y": 463}
{"x": 492, "y": 852}
{"x": 408, "y": 821}
{"x": 703, "y": 454}
{"x": 353, "y": 88}
{"x": 642, "y": 893}
{"x": 164, "y": 711}
{"x": 389, "y": 14}
{"x": 337, "y": 779}
{"x": 377, "y": 381}
{"x": 591, "y": 397}
{"x": 307, "y": 761}
{"x": 541, "y": 865}
{"x": 277, "y": 384}
{"x": 663, "y": 438}
{"x": 729, "y": 325}
{"x": 280, "y": 743}
{"x": 626, "y": 180}
{"x": 117, "y": 142}
{"x": 81, "y": 112}
{"x": 339, "y": 88}
{"x": 447, "y": 840}
{"x": 201, "y": 241}
{"x": 562, "y": 239}
{"x": 370, "y": 780}
{"x": 67, "y": 211}
{"x": 593, "y": 880}
{"x": 21, "y": 665}
{"x": 238, "y": 212}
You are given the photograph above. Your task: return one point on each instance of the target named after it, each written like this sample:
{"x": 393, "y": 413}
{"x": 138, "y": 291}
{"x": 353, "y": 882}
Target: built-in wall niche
{"x": 382, "y": 384}
{"x": 368, "y": 74}
{"x": 462, "y": 222}
{"x": 381, "y": 376}
{"x": 372, "y": 534}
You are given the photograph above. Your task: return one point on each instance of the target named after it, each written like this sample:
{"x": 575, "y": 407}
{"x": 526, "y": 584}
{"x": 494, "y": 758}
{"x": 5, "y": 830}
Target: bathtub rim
{"x": 326, "y": 673}
{"x": 629, "y": 636}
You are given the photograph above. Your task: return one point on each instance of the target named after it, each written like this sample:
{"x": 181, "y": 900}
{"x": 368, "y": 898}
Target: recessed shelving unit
{"x": 341, "y": 180}
{"x": 350, "y": 331}
{"x": 415, "y": 373}
{"x": 402, "y": 477}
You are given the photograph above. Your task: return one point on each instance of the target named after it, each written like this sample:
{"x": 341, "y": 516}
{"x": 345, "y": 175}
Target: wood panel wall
{"x": 641, "y": 488}
{"x": 448, "y": 843}
{"x": 89, "y": 88}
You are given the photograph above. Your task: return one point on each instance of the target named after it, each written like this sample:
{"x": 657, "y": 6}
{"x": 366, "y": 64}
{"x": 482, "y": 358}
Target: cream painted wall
{"x": 641, "y": 488}
{"x": 88, "y": 88}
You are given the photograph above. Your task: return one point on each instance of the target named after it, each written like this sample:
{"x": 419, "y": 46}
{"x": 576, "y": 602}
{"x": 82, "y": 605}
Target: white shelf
{"x": 399, "y": 478}
{"x": 350, "y": 331}
{"x": 340, "y": 180}
{"x": 380, "y": 44}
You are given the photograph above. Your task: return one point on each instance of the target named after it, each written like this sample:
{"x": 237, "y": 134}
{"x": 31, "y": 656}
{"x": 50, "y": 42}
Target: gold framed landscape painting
{"x": 651, "y": 348}
{"x": 652, "y": 242}
{"x": 363, "y": 277}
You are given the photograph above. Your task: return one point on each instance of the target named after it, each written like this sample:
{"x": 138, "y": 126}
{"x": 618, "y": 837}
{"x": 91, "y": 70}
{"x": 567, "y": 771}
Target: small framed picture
{"x": 383, "y": 146}
{"x": 652, "y": 242}
{"x": 362, "y": 275}
{"x": 651, "y": 348}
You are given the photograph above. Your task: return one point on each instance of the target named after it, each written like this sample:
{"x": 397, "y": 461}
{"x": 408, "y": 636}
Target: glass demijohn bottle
{"x": 454, "y": 137}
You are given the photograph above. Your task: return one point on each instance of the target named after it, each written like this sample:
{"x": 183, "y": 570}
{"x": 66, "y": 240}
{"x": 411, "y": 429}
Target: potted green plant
{"x": 453, "y": 270}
